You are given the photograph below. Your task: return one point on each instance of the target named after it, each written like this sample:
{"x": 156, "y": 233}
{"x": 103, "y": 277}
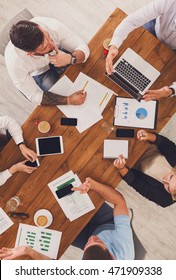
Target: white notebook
{"x": 114, "y": 148}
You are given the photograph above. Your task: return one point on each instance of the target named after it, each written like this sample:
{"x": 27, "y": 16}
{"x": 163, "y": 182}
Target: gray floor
{"x": 155, "y": 226}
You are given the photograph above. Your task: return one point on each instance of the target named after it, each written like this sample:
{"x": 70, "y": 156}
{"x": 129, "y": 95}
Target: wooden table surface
{"x": 82, "y": 152}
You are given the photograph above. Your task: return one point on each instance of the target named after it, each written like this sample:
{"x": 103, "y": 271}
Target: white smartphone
{"x": 51, "y": 145}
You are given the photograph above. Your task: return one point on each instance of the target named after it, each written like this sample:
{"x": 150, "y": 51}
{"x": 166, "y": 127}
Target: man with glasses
{"x": 154, "y": 176}
{"x": 37, "y": 55}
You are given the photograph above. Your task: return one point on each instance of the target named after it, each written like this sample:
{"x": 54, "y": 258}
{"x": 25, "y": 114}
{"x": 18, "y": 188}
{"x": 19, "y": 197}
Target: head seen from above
{"x": 169, "y": 181}
{"x": 95, "y": 249}
{"x": 31, "y": 38}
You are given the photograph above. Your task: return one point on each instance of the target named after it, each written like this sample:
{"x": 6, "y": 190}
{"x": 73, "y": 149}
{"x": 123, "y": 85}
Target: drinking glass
{"x": 13, "y": 203}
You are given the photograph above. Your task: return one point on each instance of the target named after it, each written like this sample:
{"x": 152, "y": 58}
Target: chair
{"x": 4, "y": 32}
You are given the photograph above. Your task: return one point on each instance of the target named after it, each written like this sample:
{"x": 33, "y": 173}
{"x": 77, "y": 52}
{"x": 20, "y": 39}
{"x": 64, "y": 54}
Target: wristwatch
{"x": 173, "y": 91}
{"x": 73, "y": 59}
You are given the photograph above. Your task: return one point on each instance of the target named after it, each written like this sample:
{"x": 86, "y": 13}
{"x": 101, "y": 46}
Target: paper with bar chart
{"x": 45, "y": 241}
{"x": 131, "y": 113}
{"x": 74, "y": 205}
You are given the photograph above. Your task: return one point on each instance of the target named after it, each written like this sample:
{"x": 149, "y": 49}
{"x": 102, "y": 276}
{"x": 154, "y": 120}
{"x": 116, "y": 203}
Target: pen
{"x": 85, "y": 85}
{"x": 103, "y": 99}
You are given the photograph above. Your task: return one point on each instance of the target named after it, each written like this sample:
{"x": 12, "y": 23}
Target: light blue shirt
{"x": 118, "y": 237}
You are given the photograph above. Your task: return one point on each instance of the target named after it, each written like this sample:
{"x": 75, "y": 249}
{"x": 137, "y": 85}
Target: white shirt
{"x": 164, "y": 11}
{"x": 21, "y": 67}
{"x": 16, "y": 132}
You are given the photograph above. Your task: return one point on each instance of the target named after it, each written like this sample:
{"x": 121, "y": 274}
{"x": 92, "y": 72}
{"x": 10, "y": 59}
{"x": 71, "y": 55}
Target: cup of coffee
{"x": 43, "y": 218}
{"x": 42, "y": 221}
{"x": 105, "y": 45}
{"x": 13, "y": 203}
{"x": 44, "y": 126}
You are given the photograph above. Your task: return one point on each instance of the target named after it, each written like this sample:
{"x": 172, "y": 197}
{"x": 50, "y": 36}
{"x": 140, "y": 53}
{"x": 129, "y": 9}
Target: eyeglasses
{"x": 19, "y": 215}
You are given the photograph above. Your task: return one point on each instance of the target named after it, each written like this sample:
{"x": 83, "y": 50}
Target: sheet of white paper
{"x": 45, "y": 241}
{"x": 98, "y": 95}
{"x": 97, "y": 98}
{"x": 74, "y": 205}
{"x": 5, "y": 221}
{"x": 63, "y": 86}
{"x": 129, "y": 112}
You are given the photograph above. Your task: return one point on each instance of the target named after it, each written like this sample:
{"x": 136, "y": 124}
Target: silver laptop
{"x": 133, "y": 74}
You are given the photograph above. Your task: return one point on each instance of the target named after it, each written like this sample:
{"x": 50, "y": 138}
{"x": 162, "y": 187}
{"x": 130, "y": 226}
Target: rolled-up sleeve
{"x": 4, "y": 176}
{"x": 13, "y": 127}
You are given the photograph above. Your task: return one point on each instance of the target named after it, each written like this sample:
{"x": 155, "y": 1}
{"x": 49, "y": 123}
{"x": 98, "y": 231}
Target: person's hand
{"x": 157, "y": 94}
{"x": 20, "y": 166}
{"x": 120, "y": 162}
{"x": 60, "y": 59}
{"x": 143, "y": 135}
{"x": 13, "y": 253}
{"x": 113, "y": 52}
{"x": 83, "y": 188}
{"x": 28, "y": 153}
{"x": 77, "y": 98}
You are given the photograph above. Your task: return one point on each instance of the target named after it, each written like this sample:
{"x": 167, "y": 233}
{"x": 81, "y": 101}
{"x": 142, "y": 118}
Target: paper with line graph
{"x": 45, "y": 241}
{"x": 74, "y": 205}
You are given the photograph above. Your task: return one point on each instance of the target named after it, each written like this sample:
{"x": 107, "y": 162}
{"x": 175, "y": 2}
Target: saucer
{"x": 43, "y": 218}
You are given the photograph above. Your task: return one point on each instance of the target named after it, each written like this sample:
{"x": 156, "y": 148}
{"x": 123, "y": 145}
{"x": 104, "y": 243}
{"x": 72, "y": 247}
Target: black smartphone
{"x": 32, "y": 164}
{"x": 64, "y": 191}
{"x": 126, "y": 133}
{"x": 69, "y": 121}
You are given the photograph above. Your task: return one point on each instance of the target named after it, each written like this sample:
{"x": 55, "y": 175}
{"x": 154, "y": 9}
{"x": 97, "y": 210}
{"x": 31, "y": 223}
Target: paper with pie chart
{"x": 131, "y": 113}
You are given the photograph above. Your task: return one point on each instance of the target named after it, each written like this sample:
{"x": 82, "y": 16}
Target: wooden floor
{"x": 156, "y": 227}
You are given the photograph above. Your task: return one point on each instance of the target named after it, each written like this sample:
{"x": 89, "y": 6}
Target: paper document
{"x": 131, "y": 113}
{"x": 5, "y": 221}
{"x": 114, "y": 148}
{"x": 63, "y": 86}
{"x": 45, "y": 241}
{"x": 97, "y": 98}
{"x": 75, "y": 204}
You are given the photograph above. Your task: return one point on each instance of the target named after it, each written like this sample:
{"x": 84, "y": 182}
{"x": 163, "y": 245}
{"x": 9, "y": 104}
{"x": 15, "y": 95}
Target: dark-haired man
{"x": 37, "y": 55}
{"x": 107, "y": 236}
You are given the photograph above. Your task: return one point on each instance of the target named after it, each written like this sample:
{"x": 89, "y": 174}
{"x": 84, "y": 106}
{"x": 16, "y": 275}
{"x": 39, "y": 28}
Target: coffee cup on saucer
{"x": 43, "y": 218}
{"x": 44, "y": 126}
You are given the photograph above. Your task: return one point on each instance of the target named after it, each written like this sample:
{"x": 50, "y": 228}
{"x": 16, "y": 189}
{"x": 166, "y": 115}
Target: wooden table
{"x": 83, "y": 152}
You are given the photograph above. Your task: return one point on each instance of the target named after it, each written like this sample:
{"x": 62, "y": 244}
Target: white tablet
{"x": 51, "y": 145}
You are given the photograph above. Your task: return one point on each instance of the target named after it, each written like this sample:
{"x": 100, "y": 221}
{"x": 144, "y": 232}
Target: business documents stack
{"x": 97, "y": 98}
{"x": 74, "y": 204}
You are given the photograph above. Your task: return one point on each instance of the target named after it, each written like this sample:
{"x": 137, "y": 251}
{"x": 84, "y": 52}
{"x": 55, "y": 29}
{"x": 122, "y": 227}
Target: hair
{"x": 174, "y": 193}
{"x": 96, "y": 252}
{"x": 26, "y": 35}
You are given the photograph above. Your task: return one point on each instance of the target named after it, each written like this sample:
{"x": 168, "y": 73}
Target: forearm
{"x": 50, "y": 98}
{"x": 107, "y": 193}
{"x": 167, "y": 148}
{"x": 36, "y": 255}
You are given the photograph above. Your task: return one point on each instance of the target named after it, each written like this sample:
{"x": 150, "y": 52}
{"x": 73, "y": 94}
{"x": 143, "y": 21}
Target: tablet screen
{"x": 49, "y": 145}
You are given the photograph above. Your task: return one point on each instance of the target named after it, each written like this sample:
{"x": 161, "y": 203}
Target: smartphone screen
{"x": 64, "y": 191}
{"x": 120, "y": 132}
{"x": 69, "y": 121}
{"x": 32, "y": 164}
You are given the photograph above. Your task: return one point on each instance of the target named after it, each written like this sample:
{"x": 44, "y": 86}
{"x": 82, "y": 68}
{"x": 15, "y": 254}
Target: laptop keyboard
{"x": 129, "y": 72}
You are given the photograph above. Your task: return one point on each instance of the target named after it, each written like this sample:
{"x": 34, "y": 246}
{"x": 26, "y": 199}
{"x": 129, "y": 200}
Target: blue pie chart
{"x": 141, "y": 113}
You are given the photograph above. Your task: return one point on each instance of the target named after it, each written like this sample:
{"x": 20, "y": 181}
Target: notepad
{"x": 114, "y": 148}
